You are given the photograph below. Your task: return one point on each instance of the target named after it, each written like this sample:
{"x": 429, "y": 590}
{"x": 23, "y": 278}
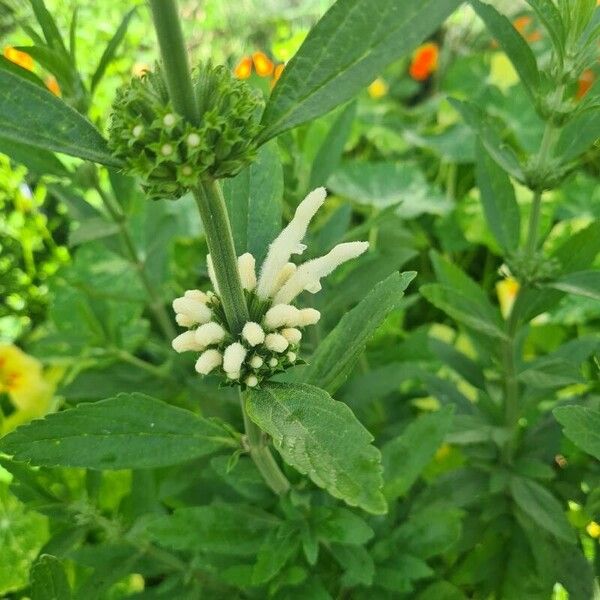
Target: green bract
{"x": 170, "y": 154}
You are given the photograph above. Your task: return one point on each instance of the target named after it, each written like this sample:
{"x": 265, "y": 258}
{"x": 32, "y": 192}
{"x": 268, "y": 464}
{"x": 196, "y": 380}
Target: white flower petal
{"x": 253, "y": 333}
{"x": 291, "y": 334}
{"x": 308, "y": 316}
{"x": 247, "y": 269}
{"x": 186, "y": 342}
{"x": 276, "y": 342}
{"x": 281, "y": 315}
{"x": 288, "y": 242}
{"x": 308, "y": 275}
{"x": 233, "y": 358}
{"x": 210, "y": 333}
{"x": 193, "y": 309}
{"x": 208, "y": 361}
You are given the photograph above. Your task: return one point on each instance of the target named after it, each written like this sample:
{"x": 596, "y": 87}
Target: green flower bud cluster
{"x": 532, "y": 270}
{"x": 170, "y": 154}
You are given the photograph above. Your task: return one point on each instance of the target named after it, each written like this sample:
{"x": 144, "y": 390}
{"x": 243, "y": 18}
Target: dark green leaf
{"x": 37, "y": 160}
{"x": 581, "y": 283}
{"x": 323, "y": 439}
{"x": 341, "y": 526}
{"x": 339, "y": 351}
{"x": 550, "y": 16}
{"x": 277, "y": 549}
{"x": 49, "y": 580}
{"x": 578, "y": 135}
{"x": 130, "y": 431}
{"x": 48, "y": 25}
{"x": 459, "y": 362}
{"x": 498, "y": 198}
{"x": 357, "y": 563}
{"x": 344, "y": 52}
{"x": 11, "y": 67}
{"x": 36, "y": 117}
{"x": 582, "y": 426}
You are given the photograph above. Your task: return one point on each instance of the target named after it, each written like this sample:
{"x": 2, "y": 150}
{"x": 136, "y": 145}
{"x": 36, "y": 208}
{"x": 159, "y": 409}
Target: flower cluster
{"x": 263, "y": 66}
{"x": 169, "y": 153}
{"x": 269, "y": 341}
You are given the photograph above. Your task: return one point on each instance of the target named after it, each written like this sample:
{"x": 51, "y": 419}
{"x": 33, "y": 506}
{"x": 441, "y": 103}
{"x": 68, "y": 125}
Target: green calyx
{"x": 170, "y": 154}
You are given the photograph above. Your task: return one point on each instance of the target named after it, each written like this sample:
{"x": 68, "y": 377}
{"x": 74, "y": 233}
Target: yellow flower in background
{"x": 52, "y": 85}
{"x": 502, "y": 72}
{"x": 244, "y": 68}
{"x": 22, "y": 379}
{"x": 507, "y": 291}
{"x": 378, "y": 89}
{"x": 277, "y": 74}
{"x": 18, "y": 57}
{"x": 593, "y": 529}
{"x": 262, "y": 64}
{"x": 140, "y": 69}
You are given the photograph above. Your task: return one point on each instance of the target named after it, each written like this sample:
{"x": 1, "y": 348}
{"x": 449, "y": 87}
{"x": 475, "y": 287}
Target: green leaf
{"x": 513, "y": 44}
{"x": 330, "y": 152}
{"x": 549, "y": 15}
{"x": 36, "y": 117}
{"x": 578, "y": 135}
{"x": 582, "y": 426}
{"x": 92, "y": 229}
{"x": 344, "y": 52}
{"x": 14, "y": 69}
{"x": 111, "y": 49}
{"x": 323, "y": 439}
{"x": 129, "y": 431}
{"x": 580, "y": 283}
{"x": 357, "y": 564}
{"x": 459, "y": 362}
{"x": 405, "y": 457}
{"x": 48, "y": 25}
{"x": 339, "y": 525}
{"x": 37, "y": 160}
{"x": 254, "y": 203}
{"x": 338, "y": 352}
{"x": 542, "y": 507}
{"x": 49, "y": 580}
{"x": 219, "y": 528}
{"x": 277, "y": 549}
{"x": 498, "y": 198}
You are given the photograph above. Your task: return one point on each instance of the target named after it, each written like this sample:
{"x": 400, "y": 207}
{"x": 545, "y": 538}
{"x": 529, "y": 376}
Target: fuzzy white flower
{"x": 308, "y": 316}
{"x": 281, "y": 315}
{"x": 291, "y": 356}
{"x": 284, "y": 274}
{"x": 208, "y": 361}
{"x": 308, "y": 276}
{"x": 210, "y": 333}
{"x": 253, "y": 333}
{"x": 288, "y": 242}
{"x": 251, "y": 381}
{"x": 191, "y": 309}
{"x": 247, "y": 269}
{"x": 292, "y": 335}
{"x": 233, "y": 358}
{"x": 276, "y": 342}
{"x": 256, "y": 362}
{"x": 186, "y": 342}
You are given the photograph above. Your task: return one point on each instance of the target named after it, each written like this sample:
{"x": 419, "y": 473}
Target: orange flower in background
{"x": 586, "y": 81}
{"x": 507, "y": 291}
{"x": 277, "y": 74}
{"x": 140, "y": 69}
{"x": 52, "y": 85}
{"x": 18, "y": 57}
{"x": 522, "y": 25}
{"x": 263, "y": 64}
{"x": 424, "y": 61}
{"x": 244, "y": 68}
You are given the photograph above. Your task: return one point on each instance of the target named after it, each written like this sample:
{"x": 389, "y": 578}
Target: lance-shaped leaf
{"x": 582, "y": 427}
{"x": 129, "y": 431}
{"x": 580, "y": 283}
{"x": 321, "y": 438}
{"x": 35, "y": 117}
{"x": 344, "y": 52}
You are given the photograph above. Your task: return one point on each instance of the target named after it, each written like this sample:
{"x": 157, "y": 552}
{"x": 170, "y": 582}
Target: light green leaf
{"x": 542, "y": 507}
{"x": 49, "y": 580}
{"x": 219, "y": 528}
{"x": 582, "y": 426}
{"x": 513, "y": 44}
{"x": 345, "y": 52}
{"x": 92, "y": 229}
{"x": 498, "y": 199}
{"x": 36, "y": 117}
{"x": 339, "y": 351}
{"x": 129, "y": 431}
{"x": 254, "y": 203}
{"x": 405, "y": 457}
{"x": 323, "y": 439}
{"x": 580, "y": 283}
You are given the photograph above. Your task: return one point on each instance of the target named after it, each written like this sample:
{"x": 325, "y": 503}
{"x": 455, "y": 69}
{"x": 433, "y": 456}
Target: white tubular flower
{"x": 292, "y": 335}
{"x": 308, "y": 276}
{"x": 288, "y": 242}
{"x": 209, "y": 360}
{"x": 309, "y": 316}
{"x": 253, "y": 333}
{"x": 186, "y": 342}
{"x": 276, "y": 342}
{"x": 233, "y": 358}
{"x": 291, "y": 356}
{"x": 284, "y": 274}
{"x": 209, "y": 333}
{"x": 196, "y": 295}
{"x": 281, "y": 315}
{"x": 191, "y": 310}
{"x": 247, "y": 269}
{"x": 211, "y": 273}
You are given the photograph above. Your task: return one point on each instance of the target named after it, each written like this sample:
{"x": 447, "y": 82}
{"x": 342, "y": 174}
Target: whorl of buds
{"x": 170, "y": 154}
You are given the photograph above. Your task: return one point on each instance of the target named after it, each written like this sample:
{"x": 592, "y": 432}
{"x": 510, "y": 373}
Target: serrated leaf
{"x": 129, "y": 431}
{"x": 35, "y": 117}
{"x": 49, "y": 580}
{"x": 344, "y": 52}
{"x": 405, "y": 457}
{"x": 498, "y": 199}
{"x": 339, "y": 351}
{"x": 542, "y": 507}
{"x": 323, "y": 439}
{"x": 582, "y": 426}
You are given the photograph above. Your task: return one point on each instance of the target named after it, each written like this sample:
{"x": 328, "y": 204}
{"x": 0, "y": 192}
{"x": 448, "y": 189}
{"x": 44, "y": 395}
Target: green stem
{"x": 156, "y": 306}
{"x": 261, "y": 455}
{"x": 217, "y": 228}
{"x": 511, "y": 399}
{"x": 174, "y": 57}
